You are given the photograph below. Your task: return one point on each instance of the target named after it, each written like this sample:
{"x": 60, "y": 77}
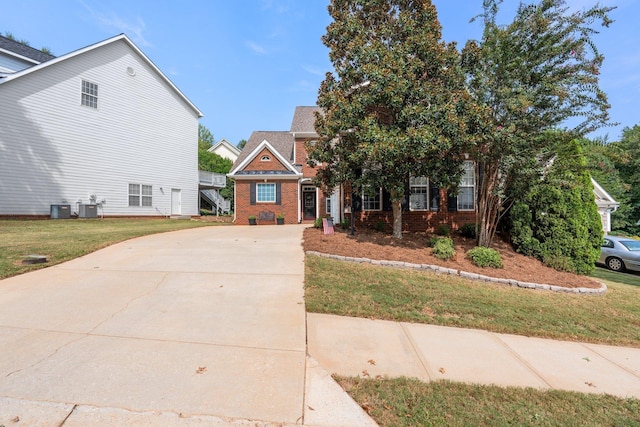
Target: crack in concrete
{"x": 49, "y": 356}
{"x": 146, "y": 294}
{"x": 68, "y": 415}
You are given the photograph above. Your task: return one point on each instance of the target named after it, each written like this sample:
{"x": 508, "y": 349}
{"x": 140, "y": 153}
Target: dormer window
{"x": 89, "y": 94}
{"x": 265, "y": 159}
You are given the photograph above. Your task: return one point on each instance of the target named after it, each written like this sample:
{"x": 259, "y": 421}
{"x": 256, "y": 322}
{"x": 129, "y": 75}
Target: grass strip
{"x": 348, "y": 289}
{"x": 410, "y": 402}
{"x": 62, "y": 240}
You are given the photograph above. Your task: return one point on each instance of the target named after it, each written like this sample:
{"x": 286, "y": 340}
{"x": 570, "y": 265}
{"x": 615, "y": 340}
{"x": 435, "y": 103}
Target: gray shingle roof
{"x": 24, "y": 50}
{"x": 282, "y": 141}
{"x": 304, "y": 119}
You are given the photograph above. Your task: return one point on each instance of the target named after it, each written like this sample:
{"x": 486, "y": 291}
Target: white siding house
{"x": 101, "y": 124}
{"x": 606, "y": 205}
{"x": 225, "y": 149}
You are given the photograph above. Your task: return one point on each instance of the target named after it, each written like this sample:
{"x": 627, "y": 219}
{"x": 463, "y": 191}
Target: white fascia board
{"x": 265, "y": 144}
{"x": 15, "y": 55}
{"x": 263, "y": 177}
{"x": 96, "y": 46}
{"x": 225, "y": 143}
{"x": 602, "y": 194}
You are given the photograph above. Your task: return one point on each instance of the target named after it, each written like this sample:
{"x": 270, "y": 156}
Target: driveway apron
{"x": 200, "y": 322}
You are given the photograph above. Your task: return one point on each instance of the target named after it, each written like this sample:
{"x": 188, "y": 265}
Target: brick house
{"x": 272, "y": 177}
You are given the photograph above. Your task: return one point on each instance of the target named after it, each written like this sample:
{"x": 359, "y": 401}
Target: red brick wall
{"x": 288, "y": 206}
{"x": 413, "y": 221}
{"x": 273, "y": 165}
{"x": 301, "y": 158}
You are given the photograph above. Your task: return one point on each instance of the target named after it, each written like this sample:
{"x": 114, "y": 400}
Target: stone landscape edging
{"x": 471, "y": 276}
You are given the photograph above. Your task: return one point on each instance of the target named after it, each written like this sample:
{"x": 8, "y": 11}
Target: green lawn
{"x": 349, "y": 289}
{"x": 409, "y": 402}
{"x": 629, "y": 278}
{"x": 62, "y": 240}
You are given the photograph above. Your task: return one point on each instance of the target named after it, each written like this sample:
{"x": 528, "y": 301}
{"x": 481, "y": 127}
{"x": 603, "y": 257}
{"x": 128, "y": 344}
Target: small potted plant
{"x": 252, "y": 220}
{"x": 280, "y": 219}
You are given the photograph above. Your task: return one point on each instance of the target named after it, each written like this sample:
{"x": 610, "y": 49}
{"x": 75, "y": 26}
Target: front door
{"x": 309, "y": 204}
{"x": 176, "y": 201}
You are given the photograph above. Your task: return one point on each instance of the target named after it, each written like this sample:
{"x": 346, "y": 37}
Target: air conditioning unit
{"x": 88, "y": 211}
{"x": 60, "y": 211}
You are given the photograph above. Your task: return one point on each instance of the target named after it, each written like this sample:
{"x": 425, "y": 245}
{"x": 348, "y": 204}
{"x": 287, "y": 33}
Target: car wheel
{"x": 615, "y": 264}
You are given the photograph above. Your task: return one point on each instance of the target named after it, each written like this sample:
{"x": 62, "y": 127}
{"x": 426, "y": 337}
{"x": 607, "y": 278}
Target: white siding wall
{"x": 53, "y": 149}
{"x": 225, "y": 153}
{"x": 13, "y": 63}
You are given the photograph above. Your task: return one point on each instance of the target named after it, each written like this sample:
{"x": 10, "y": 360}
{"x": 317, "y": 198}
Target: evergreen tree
{"x": 557, "y": 220}
{"x": 394, "y": 105}
{"x": 527, "y": 77}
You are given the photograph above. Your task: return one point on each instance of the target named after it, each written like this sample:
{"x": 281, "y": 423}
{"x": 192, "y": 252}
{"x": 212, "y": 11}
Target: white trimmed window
{"x": 140, "y": 195}
{"x": 372, "y": 201}
{"x": 467, "y": 188}
{"x": 419, "y": 193}
{"x": 89, "y": 94}
{"x": 265, "y": 159}
{"x": 328, "y": 208}
{"x": 266, "y": 193}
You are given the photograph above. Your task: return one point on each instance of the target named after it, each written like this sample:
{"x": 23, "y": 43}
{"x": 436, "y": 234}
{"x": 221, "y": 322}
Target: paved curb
{"x": 471, "y": 276}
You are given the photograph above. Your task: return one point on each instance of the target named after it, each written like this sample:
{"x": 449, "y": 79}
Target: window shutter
{"x": 252, "y": 193}
{"x": 452, "y": 203}
{"x": 386, "y": 201}
{"x": 434, "y": 197}
{"x": 278, "y": 193}
{"x": 407, "y": 194}
{"x": 356, "y": 203}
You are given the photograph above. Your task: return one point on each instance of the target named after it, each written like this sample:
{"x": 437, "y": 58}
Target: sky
{"x": 246, "y": 64}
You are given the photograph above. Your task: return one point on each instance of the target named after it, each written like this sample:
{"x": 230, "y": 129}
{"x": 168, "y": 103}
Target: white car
{"x": 620, "y": 253}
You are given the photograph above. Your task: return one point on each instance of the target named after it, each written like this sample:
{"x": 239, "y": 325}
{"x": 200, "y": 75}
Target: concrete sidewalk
{"x": 363, "y": 347}
{"x": 201, "y": 327}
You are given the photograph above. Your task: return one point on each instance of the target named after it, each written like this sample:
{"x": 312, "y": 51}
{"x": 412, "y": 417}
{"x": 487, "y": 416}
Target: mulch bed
{"x": 414, "y": 248}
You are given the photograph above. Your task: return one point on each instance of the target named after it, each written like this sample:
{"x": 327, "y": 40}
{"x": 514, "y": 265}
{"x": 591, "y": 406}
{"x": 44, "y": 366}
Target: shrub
{"x": 556, "y": 219}
{"x": 468, "y": 230}
{"x": 443, "y": 230}
{"x": 485, "y": 257}
{"x": 443, "y": 248}
{"x": 345, "y": 223}
{"x": 560, "y": 262}
{"x": 318, "y": 223}
{"x": 379, "y": 226}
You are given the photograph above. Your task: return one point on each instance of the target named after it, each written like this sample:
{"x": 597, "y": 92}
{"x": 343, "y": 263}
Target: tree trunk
{"x": 396, "y": 205}
{"x": 488, "y": 206}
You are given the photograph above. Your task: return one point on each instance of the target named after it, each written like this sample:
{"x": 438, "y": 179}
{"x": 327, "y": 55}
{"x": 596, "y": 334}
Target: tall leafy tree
{"x": 395, "y": 102}
{"x": 628, "y": 165}
{"x": 602, "y": 158}
{"x": 212, "y": 162}
{"x": 530, "y": 76}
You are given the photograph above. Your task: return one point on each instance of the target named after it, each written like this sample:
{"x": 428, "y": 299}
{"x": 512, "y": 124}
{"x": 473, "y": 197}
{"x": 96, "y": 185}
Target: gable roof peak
{"x": 119, "y": 37}
{"x": 304, "y": 120}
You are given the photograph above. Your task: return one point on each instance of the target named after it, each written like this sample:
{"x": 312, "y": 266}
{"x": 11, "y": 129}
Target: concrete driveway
{"x": 204, "y": 325}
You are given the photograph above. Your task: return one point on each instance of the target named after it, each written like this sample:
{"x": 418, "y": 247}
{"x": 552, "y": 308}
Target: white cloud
{"x": 313, "y": 70}
{"x": 133, "y": 28}
{"x": 279, "y": 6}
{"x": 304, "y": 86}
{"x": 255, "y": 47}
